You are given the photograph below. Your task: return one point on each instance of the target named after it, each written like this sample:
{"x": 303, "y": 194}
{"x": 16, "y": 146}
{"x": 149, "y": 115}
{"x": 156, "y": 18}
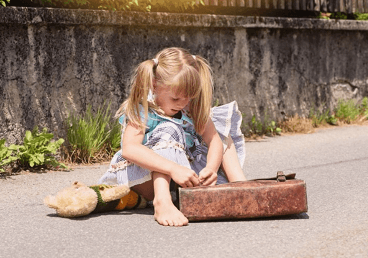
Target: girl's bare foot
{"x": 167, "y": 214}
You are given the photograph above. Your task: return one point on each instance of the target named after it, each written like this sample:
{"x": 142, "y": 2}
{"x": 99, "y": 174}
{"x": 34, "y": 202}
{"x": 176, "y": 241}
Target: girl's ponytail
{"x": 141, "y": 84}
{"x": 201, "y": 106}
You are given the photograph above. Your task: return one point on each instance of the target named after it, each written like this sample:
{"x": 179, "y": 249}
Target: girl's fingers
{"x": 196, "y": 181}
{"x": 189, "y": 184}
{"x": 214, "y": 182}
{"x": 204, "y": 174}
{"x": 210, "y": 180}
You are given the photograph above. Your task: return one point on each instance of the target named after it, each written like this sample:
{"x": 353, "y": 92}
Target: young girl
{"x": 169, "y": 132}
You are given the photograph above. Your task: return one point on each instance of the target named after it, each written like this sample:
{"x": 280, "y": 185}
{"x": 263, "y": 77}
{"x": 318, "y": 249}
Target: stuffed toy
{"x": 80, "y": 200}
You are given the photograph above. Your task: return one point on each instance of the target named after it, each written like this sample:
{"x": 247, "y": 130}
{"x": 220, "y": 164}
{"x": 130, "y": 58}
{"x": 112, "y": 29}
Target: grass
{"x": 343, "y": 16}
{"x": 91, "y": 137}
{"x": 346, "y": 112}
{"x": 297, "y": 124}
{"x": 256, "y": 128}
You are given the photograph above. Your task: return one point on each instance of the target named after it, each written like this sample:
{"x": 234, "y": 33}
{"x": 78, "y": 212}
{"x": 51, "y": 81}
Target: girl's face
{"x": 170, "y": 102}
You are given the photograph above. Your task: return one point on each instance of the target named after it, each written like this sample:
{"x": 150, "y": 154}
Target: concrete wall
{"x": 55, "y": 61}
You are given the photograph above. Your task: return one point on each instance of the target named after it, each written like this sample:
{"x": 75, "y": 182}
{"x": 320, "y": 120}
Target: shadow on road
{"x": 146, "y": 211}
{"x": 276, "y": 218}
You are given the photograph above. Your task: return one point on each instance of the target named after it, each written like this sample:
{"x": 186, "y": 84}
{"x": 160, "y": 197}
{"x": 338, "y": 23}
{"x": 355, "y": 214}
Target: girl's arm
{"x": 134, "y": 151}
{"x": 208, "y": 175}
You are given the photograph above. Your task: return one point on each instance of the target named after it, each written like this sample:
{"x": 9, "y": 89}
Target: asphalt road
{"x": 333, "y": 162}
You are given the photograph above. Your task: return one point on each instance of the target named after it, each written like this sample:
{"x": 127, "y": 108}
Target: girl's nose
{"x": 183, "y": 103}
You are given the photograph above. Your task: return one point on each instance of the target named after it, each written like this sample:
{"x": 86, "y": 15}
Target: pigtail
{"x": 141, "y": 84}
{"x": 200, "y": 106}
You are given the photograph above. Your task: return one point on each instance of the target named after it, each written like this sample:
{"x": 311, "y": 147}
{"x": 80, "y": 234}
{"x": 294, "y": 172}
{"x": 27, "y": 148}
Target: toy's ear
{"x": 51, "y": 202}
{"x": 79, "y": 184}
{"x": 114, "y": 193}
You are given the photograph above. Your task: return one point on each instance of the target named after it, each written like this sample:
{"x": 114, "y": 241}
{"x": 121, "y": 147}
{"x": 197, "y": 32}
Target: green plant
{"x": 66, "y": 3}
{"x": 269, "y": 126}
{"x": 319, "y": 117}
{"x": 347, "y": 111}
{"x": 37, "y": 149}
{"x": 364, "y": 104}
{"x": 332, "y": 120}
{"x": 363, "y": 108}
{"x": 257, "y": 127}
{"x": 361, "y": 16}
{"x": 272, "y": 128}
{"x": 126, "y": 5}
{"x": 325, "y": 16}
{"x": 339, "y": 16}
{"x": 3, "y": 2}
{"x": 6, "y": 155}
{"x": 92, "y": 136}
{"x": 113, "y": 141}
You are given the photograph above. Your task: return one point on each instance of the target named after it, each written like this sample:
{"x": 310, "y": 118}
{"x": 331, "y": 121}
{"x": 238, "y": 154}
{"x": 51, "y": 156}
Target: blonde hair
{"x": 183, "y": 73}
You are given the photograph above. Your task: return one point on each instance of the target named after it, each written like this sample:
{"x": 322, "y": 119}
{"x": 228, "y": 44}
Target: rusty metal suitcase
{"x": 282, "y": 195}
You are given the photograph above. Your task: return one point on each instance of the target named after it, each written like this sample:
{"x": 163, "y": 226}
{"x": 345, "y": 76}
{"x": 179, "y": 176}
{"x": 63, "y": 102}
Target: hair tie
{"x": 156, "y": 61}
{"x": 194, "y": 57}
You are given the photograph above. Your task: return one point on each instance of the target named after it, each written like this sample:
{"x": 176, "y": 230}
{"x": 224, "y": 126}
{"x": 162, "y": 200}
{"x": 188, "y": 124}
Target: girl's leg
{"x": 165, "y": 211}
{"x": 158, "y": 190}
{"x": 231, "y": 165}
{"x": 145, "y": 189}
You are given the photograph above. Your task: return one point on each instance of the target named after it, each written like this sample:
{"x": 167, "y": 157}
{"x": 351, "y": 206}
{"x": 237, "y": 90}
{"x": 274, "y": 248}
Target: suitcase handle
{"x": 280, "y": 177}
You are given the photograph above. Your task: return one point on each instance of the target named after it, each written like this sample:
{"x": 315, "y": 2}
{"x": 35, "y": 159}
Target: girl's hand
{"x": 185, "y": 177}
{"x": 207, "y": 176}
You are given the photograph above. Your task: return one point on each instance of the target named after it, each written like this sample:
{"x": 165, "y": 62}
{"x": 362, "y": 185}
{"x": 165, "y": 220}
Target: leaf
{"x": 14, "y": 147}
{"x": 41, "y": 158}
{"x": 28, "y": 136}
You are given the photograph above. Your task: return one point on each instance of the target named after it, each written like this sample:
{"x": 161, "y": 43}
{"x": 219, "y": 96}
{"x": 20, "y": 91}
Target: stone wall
{"x": 56, "y": 61}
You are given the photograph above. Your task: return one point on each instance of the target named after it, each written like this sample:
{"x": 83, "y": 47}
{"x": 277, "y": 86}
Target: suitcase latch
{"x": 281, "y": 176}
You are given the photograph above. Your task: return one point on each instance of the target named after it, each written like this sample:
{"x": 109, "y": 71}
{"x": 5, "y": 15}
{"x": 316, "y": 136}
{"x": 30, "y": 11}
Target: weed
{"x": 363, "y": 108}
{"x": 319, "y": 118}
{"x": 325, "y": 16}
{"x": 332, "y": 120}
{"x": 113, "y": 141}
{"x": 347, "y": 111}
{"x": 256, "y": 127}
{"x": 91, "y": 137}
{"x": 3, "y": 2}
{"x": 124, "y": 5}
{"x": 37, "y": 149}
{"x": 6, "y": 155}
{"x": 269, "y": 126}
{"x": 338, "y": 16}
{"x": 361, "y": 16}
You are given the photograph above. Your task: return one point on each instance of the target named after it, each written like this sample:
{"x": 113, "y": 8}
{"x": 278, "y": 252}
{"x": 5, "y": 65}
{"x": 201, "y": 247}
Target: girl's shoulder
{"x": 152, "y": 116}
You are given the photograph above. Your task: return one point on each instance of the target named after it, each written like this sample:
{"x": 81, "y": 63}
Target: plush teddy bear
{"x": 80, "y": 200}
